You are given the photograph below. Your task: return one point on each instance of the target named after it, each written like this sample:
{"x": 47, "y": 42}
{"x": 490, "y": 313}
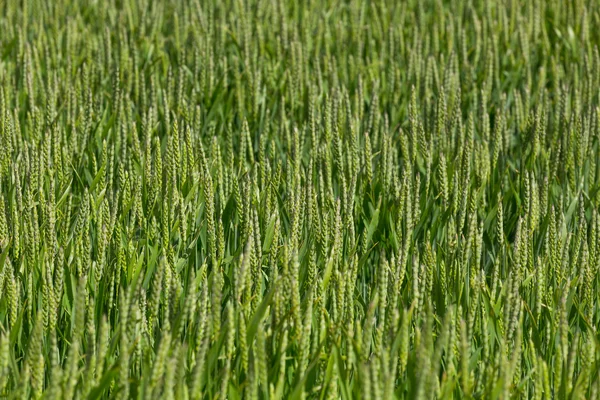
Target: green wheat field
{"x": 281, "y": 199}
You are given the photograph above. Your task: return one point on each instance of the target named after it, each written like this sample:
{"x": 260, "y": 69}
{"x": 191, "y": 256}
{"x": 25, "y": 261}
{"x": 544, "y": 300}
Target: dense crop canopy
{"x": 279, "y": 199}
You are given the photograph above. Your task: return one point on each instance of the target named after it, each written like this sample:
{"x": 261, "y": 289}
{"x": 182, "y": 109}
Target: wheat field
{"x": 278, "y": 199}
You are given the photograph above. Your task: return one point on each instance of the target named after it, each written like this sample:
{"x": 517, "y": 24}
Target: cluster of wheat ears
{"x": 278, "y": 199}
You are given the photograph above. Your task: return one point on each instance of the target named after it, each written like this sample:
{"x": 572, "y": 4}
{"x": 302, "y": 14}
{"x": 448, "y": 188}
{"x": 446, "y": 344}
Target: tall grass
{"x": 278, "y": 199}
